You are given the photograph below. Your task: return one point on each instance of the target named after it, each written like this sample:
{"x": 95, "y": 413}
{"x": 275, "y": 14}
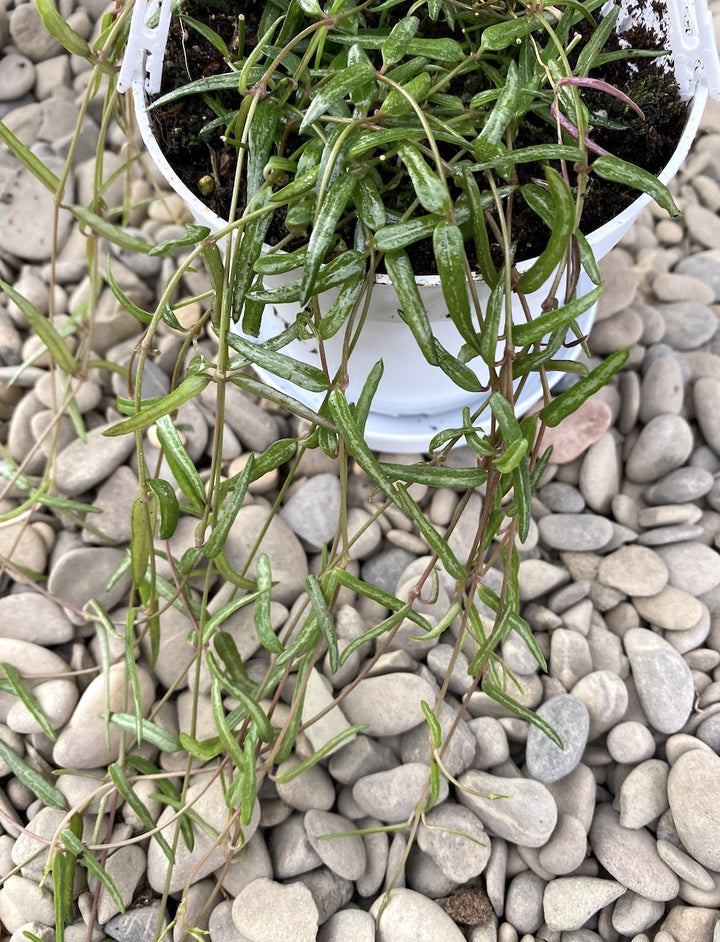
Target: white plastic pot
{"x": 414, "y": 399}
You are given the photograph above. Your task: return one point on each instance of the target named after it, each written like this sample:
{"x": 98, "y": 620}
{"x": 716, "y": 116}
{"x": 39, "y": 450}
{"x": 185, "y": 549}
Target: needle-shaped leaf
{"x": 337, "y": 88}
{"x": 28, "y": 699}
{"x": 32, "y": 779}
{"x": 190, "y": 387}
{"x": 45, "y": 330}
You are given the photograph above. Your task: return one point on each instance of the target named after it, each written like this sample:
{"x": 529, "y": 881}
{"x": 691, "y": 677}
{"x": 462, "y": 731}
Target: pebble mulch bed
{"x": 615, "y": 838}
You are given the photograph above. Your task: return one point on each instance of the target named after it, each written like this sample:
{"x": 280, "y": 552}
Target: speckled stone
{"x": 569, "y": 902}
{"x": 569, "y": 718}
{"x": 367, "y": 703}
{"x": 694, "y": 795}
{"x": 634, "y": 570}
{"x": 662, "y": 679}
{"x": 525, "y": 813}
{"x": 664, "y": 444}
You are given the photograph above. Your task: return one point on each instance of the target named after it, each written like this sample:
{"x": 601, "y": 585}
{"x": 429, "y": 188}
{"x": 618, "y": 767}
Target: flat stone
{"x": 600, "y": 474}
{"x": 208, "y": 853}
{"x": 393, "y": 795}
{"x": 32, "y": 617}
{"x": 290, "y": 850}
{"x": 125, "y": 867}
{"x": 347, "y": 924}
{"x": 329, "y": 891}
{"x": 680, "y": 486}
{"x": 703, "y": 225}
{"x": 567, "y": 847}
{"x": 17, "y": 76}
{"x": 312, "y": 511}
{"x": 693, "y": 793}
{"x": 569, "y": 718}
{"x": 692, "y": 566}
{"x": 674, "y": 286}
{"x": 83, "y": 743}
{"x": 691, "y": 924}
{"x": 569, "y": 902}
{"x": 643, "y": 794}
{"x": 28, "y": 209}
{"x": 606, "y": 698}
{"x": 621, "y": 285}
{"x": 561, "y": 498}
{"x": 409, "y": 916}
{"x": 525, "y": 813}
{"x": 684, "y": 865}
{"x": 663, "y": 680}
{"x": 359, "y": 757}
{"x": 458, "y": 750}
{"x": 288, "y": 562}
{"x": 266, "y": 911}
{"x": 343, "y": 855}
{"x": 633, "y": 914}
{"x": 664, "y": 444}
{"x": 630, "y": 742}
{"x": 688, "y": 324}
{"x": 313, "y": 788}
{"x": 83, "y": 465}
{"x": 524, "y": 902}
{"x": 456, "y": 840}
{"x": 538, "y": 577}
{"x": 56, "y": 698}
{"x": 83, "y": 574}
{"x": 623, "y": 329}
{"x": 571, "y": 437}
{"x": 137, "y": 924}
{"x": 706, "y": 396}
{"x": 662, "y": 389}
{"x": 367, "y": 703}
{"x": 630, "y": 856}
{"x": 671, "y": 609}
{"x": 634, "y": 570}
{"x": 27, "y": 658}
{"x": 576, "y": 532}
{"x": 570, "y": 657}
{"x": 22, "y": 900}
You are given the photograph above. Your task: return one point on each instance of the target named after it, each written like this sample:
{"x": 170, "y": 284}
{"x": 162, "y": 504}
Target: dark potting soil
{"x": 207, "y": 165}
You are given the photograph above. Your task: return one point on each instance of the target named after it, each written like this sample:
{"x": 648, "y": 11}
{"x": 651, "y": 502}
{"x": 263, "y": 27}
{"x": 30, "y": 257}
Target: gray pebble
{"x": 384, "y": 569}
{"x": 290, "y": 850}
{"x": 30, "y": 36}
{"x": 630, "y": 856}
{"x": 345, "y": 856}
{"x": 83, "y": 574}
{"x": 137, "y": 924}
{"x": 392, "y": 795}
{"x": 409, "y": 916}
{"x": 664, "y": 444}
{"x": 703, "y": 225}
{"x": 663, "y": 536}
{"x": 83, "y": 465}
{"x": 538, "y": 577}
{"x": 32, "y": 617}
{"x": 680, "y": 486}
{"x": 606, "y": 698}
{"x": 692, "y": 566}
{"x": 662, "y": 389}
{"x": 456, "y": 840}
{"x": 369, "y": 702}
{"x": 567, "y": 847}
{"x": 630, "y": 742}
{"x": 685, "y": 867}
{"x": 706, "y": 396}
{"x": 634, "y": 570}
{"x": 492, "y": 742}
{"x": 561, "y": 498}
{"x": 705, "y": 266}
{"x": 525, "y": 813}
{"x": 569, "y": 902}
{"x": 348, "y": 924}
{"x": 643, "y": 794}
{"x": 671, "y": 609}
{"x": 312, "y": 511}
{"x": 458, "y": 750}
{"x": 569, "y": 718}
{"x": 267, "y": 911}
{"x": 17, "y": 76}
{"x": 361, "y": 757}
{"x": 688, "y": 324}
{"x": 524, "y": 902}
{"x": 694, "y": 792}
{"x": 662, "y": 679}
{"x": 570, "y": 657}
{"x": 329, "y": 891}
{"x": 576, "y": 532}
{"x": 313, "y": 788}
{"x": 633, "y": 914}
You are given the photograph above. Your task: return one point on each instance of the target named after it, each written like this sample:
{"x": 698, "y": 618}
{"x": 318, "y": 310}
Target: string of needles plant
{"x": 395, "y": 137}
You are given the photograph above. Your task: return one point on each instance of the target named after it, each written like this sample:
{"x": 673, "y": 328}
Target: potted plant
{"x": 430, "y": 169}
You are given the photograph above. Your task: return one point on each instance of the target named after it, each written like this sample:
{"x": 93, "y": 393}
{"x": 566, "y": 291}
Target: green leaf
{"x": 227, "y": 650}
{"x": 413, "y": 310}
{"x": 431, "y": 191}
{"x": 395, "y": 46}
{"x": 193, "y": 234}
{"x": 563, "y": 226}
{"x": 280, "y": 364}
{"x": 137, "y": 312}
{"x": 435, "y": 475}
{"x": 115, "y": 234}
{"x": 168, "y": 506}
{"x": 29, "y": 160}
{"x": 181, "y": 464}
{"x": 150, "y": 732}
{"x": 58, "y": 27}
{"x": 570, "y": 400}
{"x": 142, "y": 531}
{"x": 188, "y": 389}
{"x": 356, "y": 444}
{"x": 287, "y": 775}
{"x": 44, "y": 329}
{"x": 93, "y": 866}
{"x": 337, "y": 88}
{"x": 221, "y": 529}
{"x": 560, "y": 318}
{"x": 29, "y": 701}
{"x": 222, "y": 615}
{"x": 499, "y": 696}
{"x": 253, "y": 709}
{"x": 434, "y": 724}
{"x": 263, "y": 622}
{"x": 620, "y": 171}
{"x": 204, "y": 749}
{"x": 449, "y": 252}
{"x": 125, "y": 789}
{"x": 324, "y": 618}
{"x": 327, "y": 216}
{"x": 32, "y": 779}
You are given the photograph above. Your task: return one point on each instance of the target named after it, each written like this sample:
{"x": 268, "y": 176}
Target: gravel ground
{"x": 615, "y": 838}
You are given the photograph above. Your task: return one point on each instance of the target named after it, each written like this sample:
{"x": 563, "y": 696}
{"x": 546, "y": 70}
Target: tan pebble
{"x": 189, "y": 314}
{"x": 408, "y": 541}
{"x": 578, "y": 431}
{"x": 668, "y": 286}
{"x": 263, "y": 484}
{"x": 669, "y": 232}
{"x": 621, "y": 284}
{"x": 169, "y": 208}
{"x": 23, "y": 546}
{"x": 45, "y": 532}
